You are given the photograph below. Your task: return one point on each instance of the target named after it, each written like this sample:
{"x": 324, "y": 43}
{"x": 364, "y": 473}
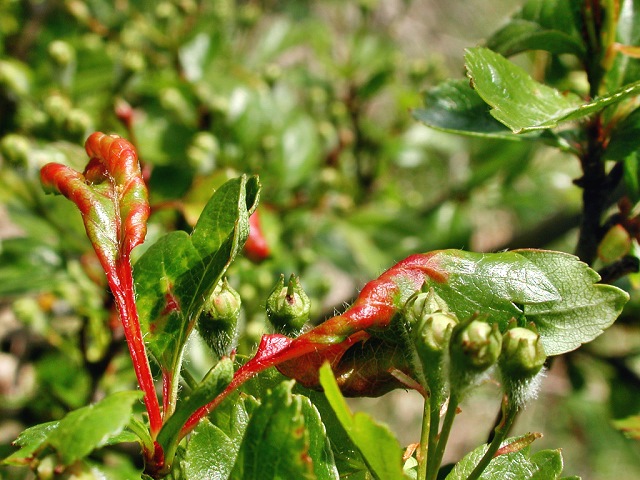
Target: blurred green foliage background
{"x": 316, "y": 98}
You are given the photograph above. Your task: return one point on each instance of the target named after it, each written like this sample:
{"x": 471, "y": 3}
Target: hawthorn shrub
{"x": 263, "y": 163}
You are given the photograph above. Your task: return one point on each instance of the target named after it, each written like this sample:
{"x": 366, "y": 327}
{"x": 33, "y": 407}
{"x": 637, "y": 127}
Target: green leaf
{"x": 215, "y": 382}
{"x": 91, "y": 427}
{"x": 549, "y": 464}
{"x": 554, "y": 290}
{"x": 584, "y": 309}
{"x": 544, "y": 465}
{"x": 299, "y": 153}
{"x": 522, "y": 35}
{"x": 495, "y": 284}
{"x": 80, "y": 431}
{"x": 29, "y": 442}
{"x": 199, "y": 463}
{"x": 624, "y": 138}
{"x": 224, "y": 429}
{"x": 523, "y": 104}
{"x": 539, "y": 25}
{"x": 347, "y": 456}
{"x": 455, "y": 107}
{"x": 380, "y": 449}
{"x": 324, "y": 465}
{"x": 177, "y": 274}
{"x": 276, "y": 443}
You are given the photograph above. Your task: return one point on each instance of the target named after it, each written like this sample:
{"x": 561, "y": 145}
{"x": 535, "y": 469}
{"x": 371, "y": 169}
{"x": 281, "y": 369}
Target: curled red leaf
{"x": 111, "y": 195}
{"x": 113, "y": 200}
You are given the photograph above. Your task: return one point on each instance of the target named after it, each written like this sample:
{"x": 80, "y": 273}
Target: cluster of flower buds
{"x": 470, "y": 348}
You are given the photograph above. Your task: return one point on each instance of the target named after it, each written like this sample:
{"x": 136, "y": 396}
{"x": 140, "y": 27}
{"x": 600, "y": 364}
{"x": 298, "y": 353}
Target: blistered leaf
{"x": 111, "y": 196}
{"x": 555, "y": 291}
{"x": 546, "y": 465}
{"x": 113, "y": 200}
{"x": 276, "y": 442}
{"x": 523, "y": 104}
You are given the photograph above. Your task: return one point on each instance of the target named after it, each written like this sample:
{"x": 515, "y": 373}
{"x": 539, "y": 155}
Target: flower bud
{"x": 203, "y": 152}
{"x": 15, "y": 77}
{"x": 61, "y": 53}
{"x": 15, "y": 149}
{"x": 218, "y": 321}
{"x": 249, "y": 14}
{"x": 431, "y": 336}
{"x": 288, "y": 307}
{"x": 133, "y": 61}
{"x": 422, "y": 305}
{"x": 57, "y": 107}
{"x": 522, "y": 353}
{"x": 79, "y": 9}
{"x": 476, "y": 346}
{"x": 78, "y": 122}
{"x": 434, "y": 332}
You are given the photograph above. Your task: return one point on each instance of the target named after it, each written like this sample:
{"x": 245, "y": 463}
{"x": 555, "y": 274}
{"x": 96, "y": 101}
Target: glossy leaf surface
{"x": 177, "y": 273}
{"x": 113, "y": 200}
{"x": 214, "y": 383}
{"x": 523, "y": 104}
{"x": 455, "y": 107}
{"x": 111, "y": 196}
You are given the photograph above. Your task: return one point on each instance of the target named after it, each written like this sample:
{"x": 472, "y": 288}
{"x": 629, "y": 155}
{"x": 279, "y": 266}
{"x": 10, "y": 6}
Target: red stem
{"x": 121, "y": 285}
{"x": 273, "y": 350}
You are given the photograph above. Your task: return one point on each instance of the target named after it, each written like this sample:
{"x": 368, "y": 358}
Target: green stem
{"x": 189, "y": 379}
{"x": 425, "y": 439}
{"x": 433, "y": 434}
{"x": 447, "y": 424}
{"x": 509, "y": 413}
{"x": 142, "y": 432}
